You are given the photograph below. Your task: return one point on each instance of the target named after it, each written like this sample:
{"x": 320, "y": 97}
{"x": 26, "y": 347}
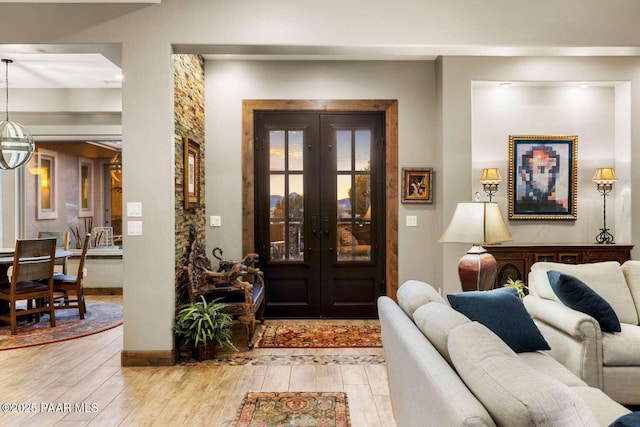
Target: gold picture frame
{"x": 543, "y": 177}
{"x": 191, "y": 182}
{"x": 417, "y": 185}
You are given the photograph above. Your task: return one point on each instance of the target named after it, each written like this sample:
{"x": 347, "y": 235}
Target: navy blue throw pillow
{"x": 628, "y": 420}
{"x": 501, "y": 311}
{"x": 574, "y": 293}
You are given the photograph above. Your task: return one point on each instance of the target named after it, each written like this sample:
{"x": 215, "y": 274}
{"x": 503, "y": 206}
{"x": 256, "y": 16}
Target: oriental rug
{"x": 321, "y": 409}
{"x": 320, "y": 336}
{"x": 100, "y": 316}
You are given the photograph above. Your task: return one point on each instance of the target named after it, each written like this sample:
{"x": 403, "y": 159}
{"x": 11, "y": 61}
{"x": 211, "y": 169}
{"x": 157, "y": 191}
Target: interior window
{"x": 76, "y": 187}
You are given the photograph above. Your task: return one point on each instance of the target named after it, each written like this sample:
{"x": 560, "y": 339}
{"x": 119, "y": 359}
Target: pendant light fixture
{"x": 16, "y": 144}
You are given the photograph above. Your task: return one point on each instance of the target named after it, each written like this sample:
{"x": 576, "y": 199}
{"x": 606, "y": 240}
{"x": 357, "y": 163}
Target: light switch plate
{"x": 215, "y": 221}
{"x": 134, "y": 228}
{"x": 134, "y": 209}
{"x": 412, "y": 221}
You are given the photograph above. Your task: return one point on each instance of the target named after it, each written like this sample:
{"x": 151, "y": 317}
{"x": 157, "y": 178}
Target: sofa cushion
{"x": 575, "y": 294}
{"x": 436, "y": 320}
{"x": 604, "y": 408}
{"x": 541, "y": 361}
{"x": 501, "y": 311}
{"x": 514, "y": 393}
{"x": 631, "y": 271}
{"x": 413, "y": 294}
{"x": 622, "y": 349}
{"x": 606, "y": 278}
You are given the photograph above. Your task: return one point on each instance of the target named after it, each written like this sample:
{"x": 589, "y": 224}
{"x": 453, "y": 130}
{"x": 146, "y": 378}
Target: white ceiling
{"x": 59, "y": 70}
{"x": 97, "y": 66}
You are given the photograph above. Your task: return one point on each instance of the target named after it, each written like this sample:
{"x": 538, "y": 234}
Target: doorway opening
{"x": 319, "y": 212}
{"x": 389, "y": 216}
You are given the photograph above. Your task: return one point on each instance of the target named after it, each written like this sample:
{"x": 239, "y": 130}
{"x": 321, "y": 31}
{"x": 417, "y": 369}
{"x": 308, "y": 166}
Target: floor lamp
{"x": 604, "y": 179}
{"x": 478, "y": 224}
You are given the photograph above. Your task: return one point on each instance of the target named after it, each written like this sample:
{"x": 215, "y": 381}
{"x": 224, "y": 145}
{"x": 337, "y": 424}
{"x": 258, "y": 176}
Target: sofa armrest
{"x": 574, "y": 337}
{"x": 572, "y": 322}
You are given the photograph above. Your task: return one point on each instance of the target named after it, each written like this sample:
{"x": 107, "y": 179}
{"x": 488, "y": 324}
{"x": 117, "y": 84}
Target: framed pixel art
{"x": 543, "y": 176}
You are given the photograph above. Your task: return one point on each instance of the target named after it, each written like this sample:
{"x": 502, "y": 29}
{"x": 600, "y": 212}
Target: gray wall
{"x": 147, "y": 33}
{"x": 411, "y": 83}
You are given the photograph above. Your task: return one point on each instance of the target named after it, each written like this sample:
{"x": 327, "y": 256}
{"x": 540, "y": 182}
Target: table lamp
{"x": 604, "y": 179}
{"x": 478, "y": 223}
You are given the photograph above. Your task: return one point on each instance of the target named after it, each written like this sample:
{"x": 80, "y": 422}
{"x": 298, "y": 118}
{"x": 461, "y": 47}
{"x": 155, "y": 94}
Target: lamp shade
{"x": 16, "y": 145}
{"x": 477, "y": 223}
{"x": 490, "y": 176}
{"x": 604, "y": 176}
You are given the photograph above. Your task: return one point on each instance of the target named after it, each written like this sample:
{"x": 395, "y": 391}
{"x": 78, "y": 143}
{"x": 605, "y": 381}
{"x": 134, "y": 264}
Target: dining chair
{"x": 62, "y": 242}
{"x": 31, "y": 280}
{"x": 67, "y": 283}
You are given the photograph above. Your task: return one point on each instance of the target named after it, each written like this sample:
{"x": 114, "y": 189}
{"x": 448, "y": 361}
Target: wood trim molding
{"x": 148, "y": 358}
{"x": 389, "y": 107}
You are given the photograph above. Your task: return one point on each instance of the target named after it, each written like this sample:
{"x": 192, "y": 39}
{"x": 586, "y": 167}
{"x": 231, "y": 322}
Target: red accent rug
{"x": 99, "y": 317}
{"x": 320, "y": 336}
{"x": 262, "y": 409}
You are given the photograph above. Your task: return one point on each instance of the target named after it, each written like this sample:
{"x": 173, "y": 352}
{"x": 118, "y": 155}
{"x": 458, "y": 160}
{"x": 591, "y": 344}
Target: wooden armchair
{"x": 240, "y": 285}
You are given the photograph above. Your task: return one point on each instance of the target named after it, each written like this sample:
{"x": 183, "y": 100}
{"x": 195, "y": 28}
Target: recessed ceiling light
{"x": 505, "y": 84}
{"x": 583, "y": 85}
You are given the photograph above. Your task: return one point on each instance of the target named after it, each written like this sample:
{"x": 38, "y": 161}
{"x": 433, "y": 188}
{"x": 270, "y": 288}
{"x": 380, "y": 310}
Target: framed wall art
{"x": 85, "y": 187}
{"x": 543, "y": 177}
{"x": 191, "y": 176}
{"x": 47, "y": 184}
{"x": 417, "y": 185}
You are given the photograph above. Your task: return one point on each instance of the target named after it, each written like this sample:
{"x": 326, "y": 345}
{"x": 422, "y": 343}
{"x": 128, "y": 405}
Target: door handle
{"x": 326, "y": 226}
{"x": 314, "y": 225}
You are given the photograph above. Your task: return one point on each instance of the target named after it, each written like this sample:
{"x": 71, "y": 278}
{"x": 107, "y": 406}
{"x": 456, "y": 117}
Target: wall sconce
{"x": 478, "y": 224}
{"x": 16, "y": 144}
{"x": 604, "y": 179}
{"x": 490, "y": 179}
{"x": 115, "y": 168}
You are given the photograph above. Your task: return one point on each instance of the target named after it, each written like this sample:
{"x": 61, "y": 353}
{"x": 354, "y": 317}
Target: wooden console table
{"x": 515, "y": 261}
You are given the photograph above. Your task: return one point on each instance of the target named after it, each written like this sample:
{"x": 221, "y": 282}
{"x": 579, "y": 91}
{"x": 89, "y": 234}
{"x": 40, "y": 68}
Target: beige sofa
{"x": 445, "y": 370}
{"x": 607, "y": 360}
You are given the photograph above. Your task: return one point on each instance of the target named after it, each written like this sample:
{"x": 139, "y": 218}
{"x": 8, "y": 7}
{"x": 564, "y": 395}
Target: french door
{"x": 319, "y": 212}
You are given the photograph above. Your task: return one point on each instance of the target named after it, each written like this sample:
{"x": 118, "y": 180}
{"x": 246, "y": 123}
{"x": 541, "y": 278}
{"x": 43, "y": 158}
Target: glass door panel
{"x": 353, "y": 213}
{"x": 286, "y": 189}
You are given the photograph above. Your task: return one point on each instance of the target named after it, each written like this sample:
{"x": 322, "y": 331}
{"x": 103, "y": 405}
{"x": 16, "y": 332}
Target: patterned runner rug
{"x": 99, "y": 317}
{"x": 294, "y": 409}
{"x": 320, "y": 336}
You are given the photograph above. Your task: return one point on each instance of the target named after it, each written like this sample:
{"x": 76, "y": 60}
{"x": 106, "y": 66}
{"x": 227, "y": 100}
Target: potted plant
{"x": 204, "y": 326}
{"x": 518, "y": 284}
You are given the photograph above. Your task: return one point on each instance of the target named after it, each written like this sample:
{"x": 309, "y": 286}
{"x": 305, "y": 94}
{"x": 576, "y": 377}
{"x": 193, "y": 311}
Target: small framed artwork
{"x": 85, "y": 187}
{"x": 191, "y": 175}
{"x": 543, "y": 177}
{"x": 47, "y": 184}
{"x": 417, "y": 185}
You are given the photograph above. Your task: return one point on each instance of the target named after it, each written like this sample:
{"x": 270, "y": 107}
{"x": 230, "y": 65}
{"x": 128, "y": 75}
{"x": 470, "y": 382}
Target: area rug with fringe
{"x": 99, "y": 317}
{"x": 320, "y": 336}
{"x": 322, "y": 409}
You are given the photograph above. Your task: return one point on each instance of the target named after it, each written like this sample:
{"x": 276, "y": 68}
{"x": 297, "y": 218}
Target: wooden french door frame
{"x": 390, "y": 109}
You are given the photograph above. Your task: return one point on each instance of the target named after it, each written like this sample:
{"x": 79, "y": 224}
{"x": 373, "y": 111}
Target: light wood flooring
{"x": 55, "y": 380}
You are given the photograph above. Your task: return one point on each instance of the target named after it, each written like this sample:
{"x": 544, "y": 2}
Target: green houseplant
{"x": 518, "y": 284}
{"x": 204, "y": 326}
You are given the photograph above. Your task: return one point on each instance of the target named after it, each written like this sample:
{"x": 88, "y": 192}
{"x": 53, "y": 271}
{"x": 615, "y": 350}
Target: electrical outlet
{"x": 412, "y": 221}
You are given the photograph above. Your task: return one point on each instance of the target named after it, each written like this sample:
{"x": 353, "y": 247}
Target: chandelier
{"x": 16, "y": 144}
